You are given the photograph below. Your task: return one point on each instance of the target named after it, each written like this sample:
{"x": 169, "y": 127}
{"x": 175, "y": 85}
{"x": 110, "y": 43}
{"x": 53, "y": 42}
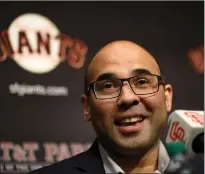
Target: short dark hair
{"x": 86, "y": 83}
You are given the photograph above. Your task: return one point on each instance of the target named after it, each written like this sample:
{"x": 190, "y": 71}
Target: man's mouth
{"x": 129, "y": 121}
{"x": 130, "y": 124}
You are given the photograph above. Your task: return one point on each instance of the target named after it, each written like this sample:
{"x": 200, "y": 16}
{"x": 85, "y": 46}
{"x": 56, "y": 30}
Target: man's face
{"x": 122, "y": 60}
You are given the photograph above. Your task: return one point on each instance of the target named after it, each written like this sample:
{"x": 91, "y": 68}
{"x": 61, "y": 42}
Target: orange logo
{"x": 196, "y": 58}
{"x": 195, "y": 117}
{"x": 176, "y": 132}
{"x": 36, "y": 44}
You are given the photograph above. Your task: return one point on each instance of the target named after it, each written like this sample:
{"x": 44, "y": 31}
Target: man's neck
{"x": 144, "y": 163}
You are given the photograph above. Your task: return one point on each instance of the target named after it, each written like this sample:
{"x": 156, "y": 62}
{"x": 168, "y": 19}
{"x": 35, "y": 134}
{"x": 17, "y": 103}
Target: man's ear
{"x": 86, "y": 107}
{"x": 168, "y": 96}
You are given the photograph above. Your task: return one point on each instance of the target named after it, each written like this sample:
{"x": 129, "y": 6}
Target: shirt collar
{"x": 111, "y": 166}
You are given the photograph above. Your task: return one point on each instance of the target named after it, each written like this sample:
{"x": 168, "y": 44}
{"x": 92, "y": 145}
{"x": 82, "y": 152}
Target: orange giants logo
{"x": 36, "y": 45}
{"x": 196, "y": 58}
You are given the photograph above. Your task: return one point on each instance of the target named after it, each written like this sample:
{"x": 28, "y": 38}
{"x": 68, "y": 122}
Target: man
{"x": 127, "y": 102}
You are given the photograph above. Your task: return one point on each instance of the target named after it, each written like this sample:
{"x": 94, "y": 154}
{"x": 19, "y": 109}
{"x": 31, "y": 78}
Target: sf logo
{"x": 176, "y": 132}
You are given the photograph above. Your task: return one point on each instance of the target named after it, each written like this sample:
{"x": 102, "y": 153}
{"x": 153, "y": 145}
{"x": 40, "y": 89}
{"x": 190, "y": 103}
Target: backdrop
{"x": 41, "y": 118}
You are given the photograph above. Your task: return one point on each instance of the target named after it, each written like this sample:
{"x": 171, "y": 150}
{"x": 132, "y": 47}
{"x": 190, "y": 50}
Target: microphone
{"x": 179, "y": 162}
{"x": 188, "y": 127}
{"x": 185, "y": 142}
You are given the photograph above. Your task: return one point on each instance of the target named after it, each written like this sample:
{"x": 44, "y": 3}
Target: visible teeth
{"x": 132, "y": 119}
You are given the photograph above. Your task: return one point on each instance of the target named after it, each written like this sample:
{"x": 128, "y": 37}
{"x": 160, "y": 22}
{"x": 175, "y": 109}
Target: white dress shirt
{"x": 111, "y": 166}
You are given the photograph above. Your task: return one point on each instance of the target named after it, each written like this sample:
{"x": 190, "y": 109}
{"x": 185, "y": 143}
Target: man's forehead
{"x": 121, "y": 56}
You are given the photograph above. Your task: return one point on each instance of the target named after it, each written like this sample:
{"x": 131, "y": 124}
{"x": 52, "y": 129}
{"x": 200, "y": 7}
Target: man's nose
{"x": 127, "y": 98}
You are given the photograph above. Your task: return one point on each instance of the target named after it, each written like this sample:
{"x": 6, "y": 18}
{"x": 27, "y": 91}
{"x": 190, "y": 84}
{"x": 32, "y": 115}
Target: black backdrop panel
{"x": 36, "y": 130}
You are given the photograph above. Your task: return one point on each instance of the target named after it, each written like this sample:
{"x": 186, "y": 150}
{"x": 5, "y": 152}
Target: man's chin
{"x": 131, "y": 146}
{"x": 135, "y": 143}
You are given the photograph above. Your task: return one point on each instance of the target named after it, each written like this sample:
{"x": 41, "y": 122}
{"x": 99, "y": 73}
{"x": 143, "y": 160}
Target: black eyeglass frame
{"x": 91, "y": 86}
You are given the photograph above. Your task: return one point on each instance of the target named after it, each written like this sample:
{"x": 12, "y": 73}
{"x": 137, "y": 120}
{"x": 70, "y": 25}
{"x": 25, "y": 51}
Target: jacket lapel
{"x": 90, "y": 161}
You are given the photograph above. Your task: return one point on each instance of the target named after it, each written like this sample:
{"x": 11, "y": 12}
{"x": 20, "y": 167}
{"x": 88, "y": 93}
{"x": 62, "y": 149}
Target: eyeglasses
{"x": 112, "y": 87}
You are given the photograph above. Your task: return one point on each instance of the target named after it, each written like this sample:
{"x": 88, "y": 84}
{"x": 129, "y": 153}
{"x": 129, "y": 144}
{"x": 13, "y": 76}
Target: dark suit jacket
{"x": 87, "y": 162}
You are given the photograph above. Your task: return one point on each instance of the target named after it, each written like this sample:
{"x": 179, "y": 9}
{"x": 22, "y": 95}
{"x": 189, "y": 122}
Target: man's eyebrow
{"x": 105, "y": 76}
{"x": 140, "y": 71}
{"x": 108, "y": 75}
